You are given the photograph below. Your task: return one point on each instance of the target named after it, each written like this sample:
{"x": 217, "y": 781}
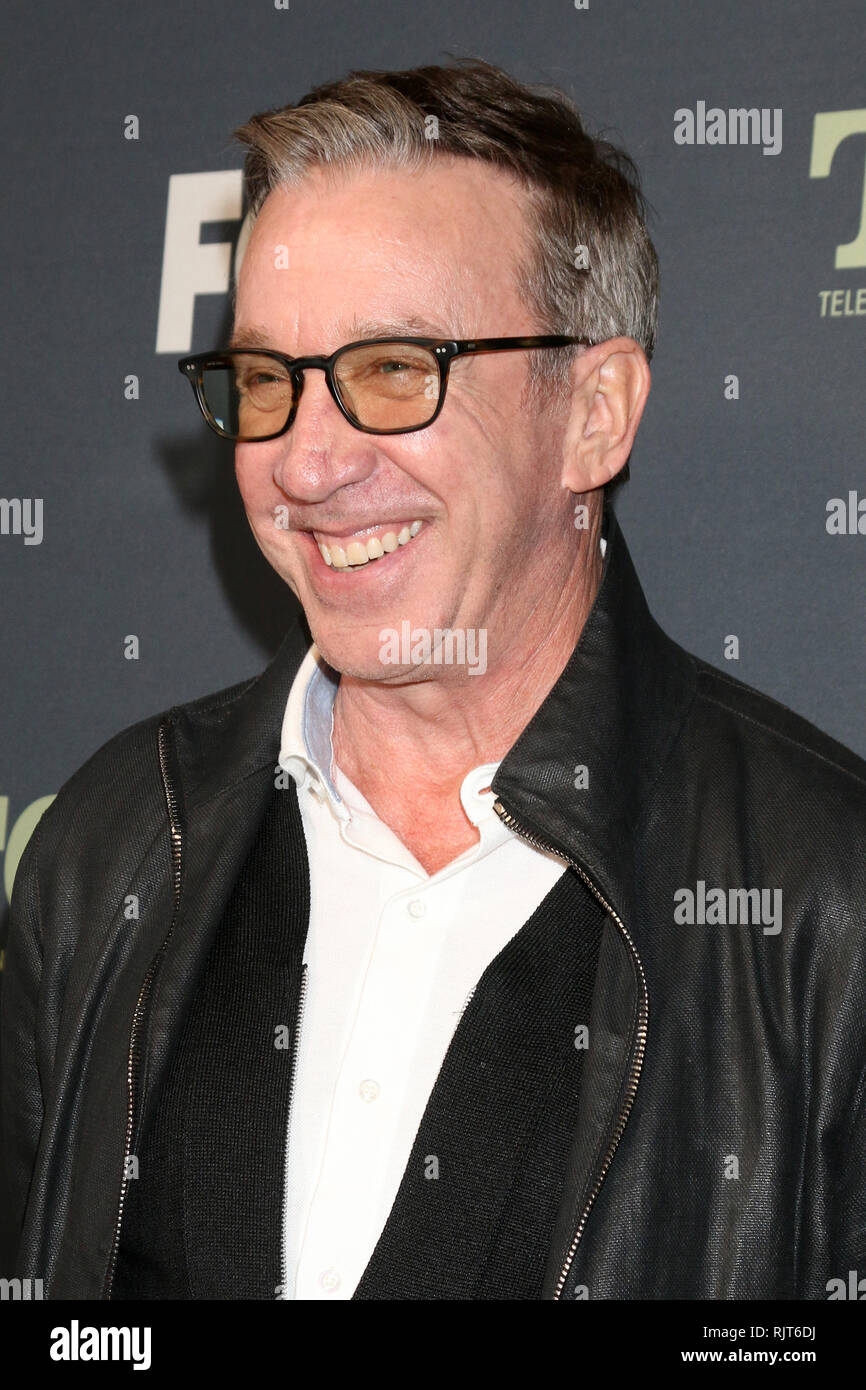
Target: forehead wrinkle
{"x": 384, "y": 325}
{"x": 432, "y": 323}
{"x": 373, "y": 325}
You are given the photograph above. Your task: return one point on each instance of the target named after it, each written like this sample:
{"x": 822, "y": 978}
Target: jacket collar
{"x": 615, "y": 710}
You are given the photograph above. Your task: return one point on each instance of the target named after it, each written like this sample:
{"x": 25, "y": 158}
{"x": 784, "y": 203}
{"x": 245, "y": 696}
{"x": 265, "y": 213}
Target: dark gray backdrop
{"x": 143, "y": 530}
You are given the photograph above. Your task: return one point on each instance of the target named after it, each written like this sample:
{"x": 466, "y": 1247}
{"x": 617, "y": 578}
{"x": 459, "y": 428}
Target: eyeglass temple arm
{"x": 503, "y": 344}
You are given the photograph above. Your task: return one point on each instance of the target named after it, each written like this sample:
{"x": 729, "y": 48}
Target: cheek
{"x": 254, "y": 481}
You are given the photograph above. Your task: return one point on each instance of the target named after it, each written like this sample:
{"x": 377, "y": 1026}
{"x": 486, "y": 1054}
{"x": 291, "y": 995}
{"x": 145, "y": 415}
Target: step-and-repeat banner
{"x": 130, "y": 579}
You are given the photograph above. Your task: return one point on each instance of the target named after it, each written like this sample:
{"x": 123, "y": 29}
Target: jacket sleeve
{"x": 850, "y": 1195}
{"x": 21, "y": 1098}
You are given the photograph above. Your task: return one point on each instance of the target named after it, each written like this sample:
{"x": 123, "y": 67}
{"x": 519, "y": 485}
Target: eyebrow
{"x": 256, "y": 336}
{"x": 251, "y": 337}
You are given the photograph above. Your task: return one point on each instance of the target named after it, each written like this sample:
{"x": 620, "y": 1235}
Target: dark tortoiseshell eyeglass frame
{"x": 443, "y": 352}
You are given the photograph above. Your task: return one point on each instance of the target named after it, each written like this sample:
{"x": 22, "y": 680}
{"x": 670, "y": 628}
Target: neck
{"x": 391, "y": 740}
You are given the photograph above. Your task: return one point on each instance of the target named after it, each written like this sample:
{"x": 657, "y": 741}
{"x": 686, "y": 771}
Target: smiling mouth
{"x": 343, "y": 553}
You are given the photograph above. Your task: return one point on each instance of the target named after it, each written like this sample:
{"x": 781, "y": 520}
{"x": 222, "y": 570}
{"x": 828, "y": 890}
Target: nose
{"x": 320, "y": 452}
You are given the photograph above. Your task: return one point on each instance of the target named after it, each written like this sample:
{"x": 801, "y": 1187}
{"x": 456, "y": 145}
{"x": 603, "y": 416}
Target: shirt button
{"x": 329, "y": 1280}
{"x": 369, "y": 1090}
{"x": 416, "y": 908}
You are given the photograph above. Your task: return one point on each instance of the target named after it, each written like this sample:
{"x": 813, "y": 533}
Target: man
{"x": 491, "y": 947}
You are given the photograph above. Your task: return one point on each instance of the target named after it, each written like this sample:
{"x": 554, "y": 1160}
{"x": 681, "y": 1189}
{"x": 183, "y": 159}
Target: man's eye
{"x": 251, "y": 380}
{"x": 396, "y": 366}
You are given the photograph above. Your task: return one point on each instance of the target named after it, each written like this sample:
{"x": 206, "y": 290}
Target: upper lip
{"x": 342, "y": 533}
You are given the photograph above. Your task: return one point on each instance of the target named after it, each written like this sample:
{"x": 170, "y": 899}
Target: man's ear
{"x": 609, "y": 387}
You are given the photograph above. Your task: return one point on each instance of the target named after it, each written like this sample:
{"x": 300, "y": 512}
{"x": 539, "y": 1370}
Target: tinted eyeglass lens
{"x": 248, "y": 396}
{"x": 389, "y": 386}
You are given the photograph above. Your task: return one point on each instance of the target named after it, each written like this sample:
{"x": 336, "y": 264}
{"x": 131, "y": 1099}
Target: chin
{"x": 349, "y": 655}
{"x": 360, "y": 658}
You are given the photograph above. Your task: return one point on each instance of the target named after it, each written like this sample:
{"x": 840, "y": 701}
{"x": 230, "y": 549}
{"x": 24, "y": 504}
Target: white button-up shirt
{"x": 392, "y": 955}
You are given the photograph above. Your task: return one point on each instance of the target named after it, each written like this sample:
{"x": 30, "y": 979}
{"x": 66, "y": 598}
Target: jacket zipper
{"x": 143, "y": 999}
{"x": 638, "y": 1056}
{"x": 467, "y": 1001}
{"x": 297, "y": 1049}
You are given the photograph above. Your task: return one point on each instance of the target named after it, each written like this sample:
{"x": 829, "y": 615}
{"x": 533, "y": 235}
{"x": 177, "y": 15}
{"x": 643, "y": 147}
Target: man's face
{"x": 429, "y": 254}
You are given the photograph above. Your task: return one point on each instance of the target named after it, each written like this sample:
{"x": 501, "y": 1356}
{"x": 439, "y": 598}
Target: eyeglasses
{"x": 381, "y": 385}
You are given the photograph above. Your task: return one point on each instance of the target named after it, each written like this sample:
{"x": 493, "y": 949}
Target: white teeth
{"x": 358, "y": 552}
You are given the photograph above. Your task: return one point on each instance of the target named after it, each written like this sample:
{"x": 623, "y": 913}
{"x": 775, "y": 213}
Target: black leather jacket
{"x": 720, "y": 1148}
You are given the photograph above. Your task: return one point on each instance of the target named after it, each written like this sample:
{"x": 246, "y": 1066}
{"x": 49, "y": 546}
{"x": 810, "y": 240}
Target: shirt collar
{"x": 306, "y": 744}
{"x": 306, "y": 747}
